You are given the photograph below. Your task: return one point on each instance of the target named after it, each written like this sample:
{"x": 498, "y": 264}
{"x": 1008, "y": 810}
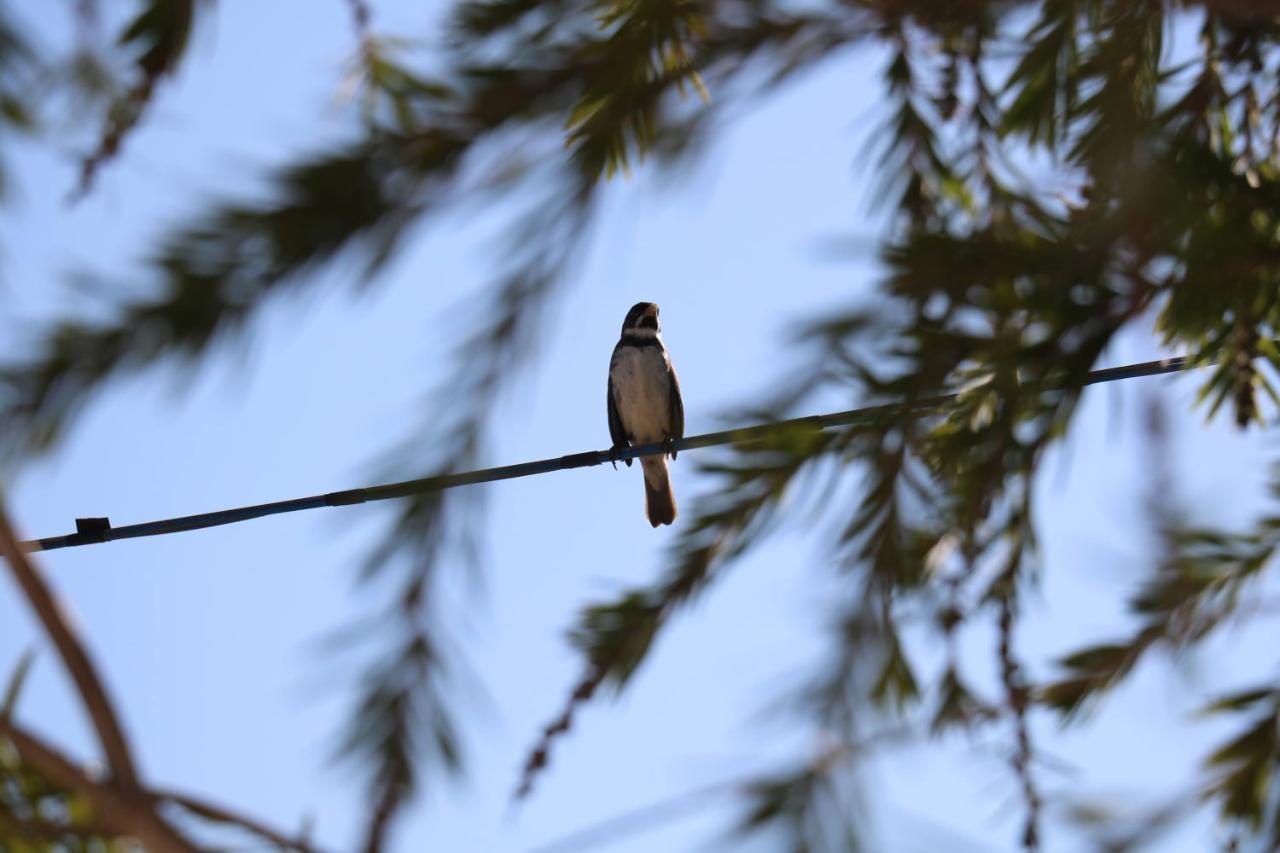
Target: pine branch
{"x": 614, "y": 637}
{"x": 157, "y": 36}
{"x": 1244, "y": 770}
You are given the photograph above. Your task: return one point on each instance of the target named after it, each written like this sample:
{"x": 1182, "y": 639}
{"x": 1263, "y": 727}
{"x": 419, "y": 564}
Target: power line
{"x": 90, "y": 531}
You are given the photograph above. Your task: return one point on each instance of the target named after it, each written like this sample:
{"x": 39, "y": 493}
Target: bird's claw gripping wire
{"x": 613, "y": 456}
{"x": 669, "y": 447}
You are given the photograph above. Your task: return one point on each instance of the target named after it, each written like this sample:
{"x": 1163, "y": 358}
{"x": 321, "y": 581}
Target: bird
{"x": 645, "y": 406}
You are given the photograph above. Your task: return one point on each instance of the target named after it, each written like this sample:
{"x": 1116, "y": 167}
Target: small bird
{"x": 645, "y": 405}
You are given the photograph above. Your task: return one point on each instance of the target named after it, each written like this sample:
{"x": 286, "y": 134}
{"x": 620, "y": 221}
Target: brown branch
{"x": 218, "y": 814}
{"x": 541, "y": 753}
{"x": 117, "y": 811}
{"x": 389, "y": 804}
{"x": 74, "y": 657}
{"x": 1017, "y": 697}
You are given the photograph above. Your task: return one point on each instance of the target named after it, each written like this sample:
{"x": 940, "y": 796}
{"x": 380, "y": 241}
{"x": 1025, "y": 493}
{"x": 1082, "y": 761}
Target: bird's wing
{"x": 617, "y": 433}
{"x": 676, "y": 425}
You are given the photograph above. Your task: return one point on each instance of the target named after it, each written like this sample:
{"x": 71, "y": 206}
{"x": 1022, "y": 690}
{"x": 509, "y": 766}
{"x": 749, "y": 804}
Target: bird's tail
{"x": 659, "y": 500}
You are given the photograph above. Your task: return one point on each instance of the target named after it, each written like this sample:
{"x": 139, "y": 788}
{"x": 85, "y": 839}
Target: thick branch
{"x": 74, "y": 656}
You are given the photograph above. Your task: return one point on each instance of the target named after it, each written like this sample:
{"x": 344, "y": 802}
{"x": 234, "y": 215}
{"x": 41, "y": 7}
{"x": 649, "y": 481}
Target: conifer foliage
{"x": 1057, "y": 174}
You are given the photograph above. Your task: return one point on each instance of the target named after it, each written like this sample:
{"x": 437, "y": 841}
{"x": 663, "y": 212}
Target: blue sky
{"x": 208, "y": 639}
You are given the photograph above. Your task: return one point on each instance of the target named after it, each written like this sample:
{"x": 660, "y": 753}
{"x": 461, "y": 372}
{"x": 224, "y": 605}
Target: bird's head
{"x": 642, "y": 321}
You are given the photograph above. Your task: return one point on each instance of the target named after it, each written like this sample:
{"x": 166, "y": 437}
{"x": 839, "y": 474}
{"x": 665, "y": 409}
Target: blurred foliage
{"x": 35, "y": 814}
{"x": 806, "y": 809}
{"x": 152, "y": 44}
{"x": 1056, "y": 173}
{"x": 17, "y": 70}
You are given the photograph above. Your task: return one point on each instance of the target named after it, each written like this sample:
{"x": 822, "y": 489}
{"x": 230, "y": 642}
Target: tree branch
{"x": 218, "y": 814}
{"x": 74, "y": 656}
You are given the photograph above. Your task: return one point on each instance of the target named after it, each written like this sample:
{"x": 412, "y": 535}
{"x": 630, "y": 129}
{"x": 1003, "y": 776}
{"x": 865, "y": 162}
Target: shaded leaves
{"x": 1244, "y": 769}
{"x": 1198, "y": 586}
{"x": 154, "y": 42}
{"x": 209, "y": 277}
{"x": 1155, "y": 191}
{"x": 38, "y": 815}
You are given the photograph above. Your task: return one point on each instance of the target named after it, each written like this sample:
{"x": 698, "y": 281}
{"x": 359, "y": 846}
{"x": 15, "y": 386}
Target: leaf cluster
{"x": 1054, "y": 180}
{"x": 1011, "y": 294}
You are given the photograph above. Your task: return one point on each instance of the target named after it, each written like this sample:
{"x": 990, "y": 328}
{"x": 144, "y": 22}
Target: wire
{"x": 91, "y": 531}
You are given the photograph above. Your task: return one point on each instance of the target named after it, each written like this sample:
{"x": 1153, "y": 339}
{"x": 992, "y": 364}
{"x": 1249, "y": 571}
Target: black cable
{"x": 93, "y": 530}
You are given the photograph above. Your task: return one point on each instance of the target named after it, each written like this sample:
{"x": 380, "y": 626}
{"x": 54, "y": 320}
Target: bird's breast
{"x": 642, "y": 392}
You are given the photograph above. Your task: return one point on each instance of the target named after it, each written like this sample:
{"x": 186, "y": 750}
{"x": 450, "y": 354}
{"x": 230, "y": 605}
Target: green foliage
{"x": 18, "y": 68}
{"x": 614, "y": 637}
{"x": 423, "y": 136}
{"x": 1011, "y": 296}
{"x": 649, "y": 48}
{"x": 35, "y": 814}
{"x": 998, "y": 296}
{"x": 806, "y": 809}
{"x": 209, "y": 277}
{"x": 1243, "y": 770}
{"x": 1197, "y": 588}
{"x": 153, "y": 42}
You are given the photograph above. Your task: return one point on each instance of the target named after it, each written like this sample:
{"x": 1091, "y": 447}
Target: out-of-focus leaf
{"x": 14, "y": 688}
{"x": 154, "y": 40}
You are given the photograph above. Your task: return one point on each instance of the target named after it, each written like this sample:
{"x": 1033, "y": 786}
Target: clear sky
{"x": 209, "y": 639}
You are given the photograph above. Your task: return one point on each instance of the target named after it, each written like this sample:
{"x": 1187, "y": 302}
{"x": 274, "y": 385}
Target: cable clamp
{"x": 93, "y": 530}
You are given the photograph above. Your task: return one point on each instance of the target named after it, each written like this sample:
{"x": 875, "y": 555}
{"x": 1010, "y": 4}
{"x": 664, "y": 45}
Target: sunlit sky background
{"x": 210, "y": 640}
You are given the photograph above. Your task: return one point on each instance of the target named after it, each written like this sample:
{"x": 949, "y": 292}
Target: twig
{"x": 640, "y": 819}
{"x": 647, "y": 816}
{"x": 541, "y": 754}
{"x": 74, "y": 657}
{"x": 1017, "y": 695}
{"x": 218, "y": 814}
{"x": 391, "y": 801}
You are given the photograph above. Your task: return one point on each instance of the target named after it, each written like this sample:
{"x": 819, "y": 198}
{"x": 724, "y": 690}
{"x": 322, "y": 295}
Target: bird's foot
{"x": 670, "y": 445}
{"x": 613, "y": 456}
